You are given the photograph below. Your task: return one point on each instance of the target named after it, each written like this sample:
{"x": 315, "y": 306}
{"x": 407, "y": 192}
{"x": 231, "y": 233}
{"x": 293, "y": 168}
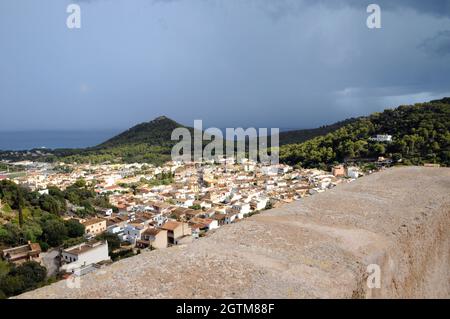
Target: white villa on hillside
{"x": 382, "y": 138}
{"x": 83, "y": 256}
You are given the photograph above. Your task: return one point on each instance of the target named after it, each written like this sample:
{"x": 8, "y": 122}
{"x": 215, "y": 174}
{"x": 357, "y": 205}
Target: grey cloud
{"x": 280, "y": 8}
{"x": 437, "y": 45}
{"x": 223, "y": 61}
{"x": 435, "y": 7}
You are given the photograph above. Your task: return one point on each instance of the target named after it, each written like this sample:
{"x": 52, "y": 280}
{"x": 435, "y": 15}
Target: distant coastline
{"x": 27, "y": 140}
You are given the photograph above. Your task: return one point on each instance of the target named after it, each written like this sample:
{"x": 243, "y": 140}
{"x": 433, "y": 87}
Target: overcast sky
{"x": 261, "y": 63}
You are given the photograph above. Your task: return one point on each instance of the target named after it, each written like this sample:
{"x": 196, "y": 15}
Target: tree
{"x": 4, "y": 268}
{"x": 88, "y": 206}
{"x": 10, "y": 234}
{"x": 12, "y": 285}
{"x": 379, "y": 149}
{"x": 74, "y": 228}
{"x": 113, "y": 240}
{"x": 19, "y": 279}
{"x": 55, "y": 192}
{"x": 31, "y": 272}
{"x": 31, "y": 231}
{"x": 58, "y": 195}
{"x": 73, "y": 241}
{"x": 49, "y": 204}
{"x": 20, "y": 204}
{"x": 54, "y": 232}
{"x": 80, "y": 183}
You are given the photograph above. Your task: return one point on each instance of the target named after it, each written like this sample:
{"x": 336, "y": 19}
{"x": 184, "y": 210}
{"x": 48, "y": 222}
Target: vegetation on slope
{"x": 129, "y": 153}
{"x": 148, "y": 142}
{"x": 31, "y": 216}
{"x": 420, "y": 134}
{"x": 15, "y": 280}
{"x": 300, "y": 136}
{"x": 39, "y": 222}
{"x": 155, "y": 133}
{"x": 41, "y": 214}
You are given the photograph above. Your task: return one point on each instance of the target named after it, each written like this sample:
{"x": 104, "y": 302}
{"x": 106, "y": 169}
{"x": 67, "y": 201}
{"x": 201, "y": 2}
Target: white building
{"x": 210, "y": 223}
{"x": 159, "y": 219}
{"x": 133, "y": 232}
{"x": 269, "y": 170}
{"x": 84, "y": 255}
{"x": 353, "y": 172}
{"x": 242, "y": 208}
{"x": 43, "y": 192}
{"x": 382, "y": 138}
{"x": 184, "y": 202}
{"x": 259, "y": 203}
{"x": 249, "y": 167}
{"x": 115, "y": 229}
{"x": 107, "y": 212}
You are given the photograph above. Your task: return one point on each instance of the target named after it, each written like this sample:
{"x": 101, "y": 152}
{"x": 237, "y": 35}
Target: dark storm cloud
{"x": 438, "y": 44}
{"x": 263, "y": 63}
{"x": 285, "y": 7}
{"x": 435, "y": 7}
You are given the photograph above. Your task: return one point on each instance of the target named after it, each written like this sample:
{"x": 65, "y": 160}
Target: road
{"x": 50, "y": 261}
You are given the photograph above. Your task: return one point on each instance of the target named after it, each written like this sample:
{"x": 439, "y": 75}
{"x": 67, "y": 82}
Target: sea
{"x": 26, "y": 140}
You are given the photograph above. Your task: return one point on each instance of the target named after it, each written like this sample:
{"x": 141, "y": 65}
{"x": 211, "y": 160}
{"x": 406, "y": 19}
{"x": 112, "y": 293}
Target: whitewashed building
{"x": 84, "y": 255}
{"x": 382, "y": 138}
{"x": 242, "y": 208}
{"x": 352, "y": 172}
{"x": 133, "y": 232}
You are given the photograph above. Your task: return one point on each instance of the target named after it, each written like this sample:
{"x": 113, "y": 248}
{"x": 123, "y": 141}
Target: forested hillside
{"x": 420, "y": 134}
{"x": 156, "y": 133}
{"x": 300, "y": 136}
{"x": 148, "y": 142}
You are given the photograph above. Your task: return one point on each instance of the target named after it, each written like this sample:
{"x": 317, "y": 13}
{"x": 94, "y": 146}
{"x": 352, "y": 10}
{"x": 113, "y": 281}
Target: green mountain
{"x": 300, "y": 136}
{"x": 151, "y": 142}
{"x": 148, "y": 142}
{"x": 420, "y": 135}
{"x": 157, "y": 133}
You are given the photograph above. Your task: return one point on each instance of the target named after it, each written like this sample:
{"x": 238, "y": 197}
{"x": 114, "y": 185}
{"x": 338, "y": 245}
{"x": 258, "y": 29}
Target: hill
{"x": 420, "y": 134}
{"x": 148, "y": 142}
{"x": 151, "y": 142}
{"x": 300, "y": 136}
{"x": 156, "y": 133}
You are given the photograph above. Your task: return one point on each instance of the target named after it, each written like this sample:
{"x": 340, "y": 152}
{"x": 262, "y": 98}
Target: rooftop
{"x": 171, "y": 225}
{"x": 84, "y": 247}
{"x": 93, "y": 221}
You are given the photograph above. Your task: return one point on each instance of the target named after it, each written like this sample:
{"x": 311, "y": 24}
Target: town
{"x": 152, "y": 207}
